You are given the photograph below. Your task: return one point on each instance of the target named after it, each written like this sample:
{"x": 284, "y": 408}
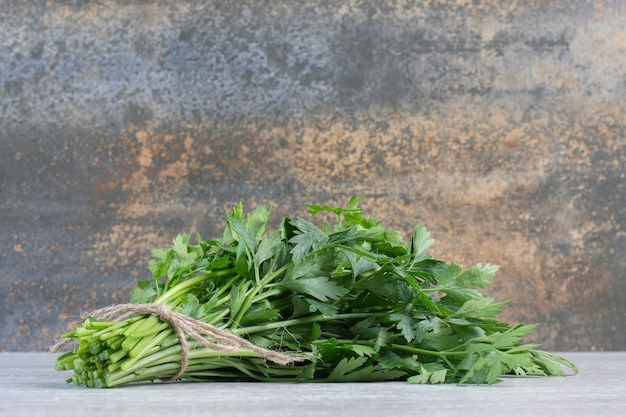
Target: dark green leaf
{"x": 308, "y": 240}
{"x": 237, "y": 298}
{"x": 260, "y": 314}
{"x": 426, "y": 325}
{"x": 269, "y": 247}
{"x": 145, "y": 292}
{"x": 360, "y": 350}
{"x": 241, "y": 233}
{"x": 319, "y": 287}
{"x": 326, "y": 309}
{"x": 477, "y": 276}
{"x": 354, "y": 369}
{"x": 480, "y": 308}
{"x": 256, "y": 222}
{"x": 390, "y": 360}
{"x": 405, "y": 323}
{"x": 384, "y": 285}
{"x": 243, "y": 262}
{"x": 180, "y": 245}
{"x": 420, "y": 241}
{"x": 351, "y": 212}
{"x": 358, "y": 264}
{"x": 220, "y": 262}
{"x": 382, "y": 340}
{"x": 191, "y": 307}
{"x": 433, "y": 373}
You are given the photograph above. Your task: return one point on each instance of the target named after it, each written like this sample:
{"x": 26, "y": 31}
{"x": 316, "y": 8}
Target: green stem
{"x": 142, "y": 349}
{"x": 215, "y": 317}
{"x": 142, "y": 327}
{"x": 168, "y": 359}
{"x": 180, "y": 288}
{"x": 421, "y": 351}
{"x": 405, "y": 348}
{"x": 303, "y": 320}
{"x": 225, "y": 288}
{"x": 267, "y": 294}
{"x": 257, "y": 287}
{"x": 117, "y": 329}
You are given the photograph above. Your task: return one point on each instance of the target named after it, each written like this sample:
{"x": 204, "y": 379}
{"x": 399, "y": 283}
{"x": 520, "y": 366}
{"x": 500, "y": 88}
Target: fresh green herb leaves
{"x": 352, "y": 296}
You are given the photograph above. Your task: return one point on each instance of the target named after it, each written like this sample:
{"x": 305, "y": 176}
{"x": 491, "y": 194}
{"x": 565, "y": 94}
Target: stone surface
{"x": 498, "y": 126}
{"x": 31, "y": 387}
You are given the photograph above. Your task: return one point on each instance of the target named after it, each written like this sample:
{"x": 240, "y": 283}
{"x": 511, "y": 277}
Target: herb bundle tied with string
{"x": 349, "y": 300}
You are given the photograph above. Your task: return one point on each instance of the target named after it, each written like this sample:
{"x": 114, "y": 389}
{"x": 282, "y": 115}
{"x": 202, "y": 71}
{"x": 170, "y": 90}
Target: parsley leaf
{"x": 310, "y": 238}
{"x": 321, "y": 288}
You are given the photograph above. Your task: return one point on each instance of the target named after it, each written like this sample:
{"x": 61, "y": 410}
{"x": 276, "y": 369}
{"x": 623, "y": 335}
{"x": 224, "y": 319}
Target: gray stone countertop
{"x": 31, "y": 387}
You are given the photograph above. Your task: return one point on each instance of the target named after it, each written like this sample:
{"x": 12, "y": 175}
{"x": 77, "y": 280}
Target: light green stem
{"x": 181, "y": 287}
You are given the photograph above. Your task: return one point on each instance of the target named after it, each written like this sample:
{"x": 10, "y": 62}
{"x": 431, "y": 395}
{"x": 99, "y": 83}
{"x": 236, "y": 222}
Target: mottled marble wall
{"x": 498, "y": 125}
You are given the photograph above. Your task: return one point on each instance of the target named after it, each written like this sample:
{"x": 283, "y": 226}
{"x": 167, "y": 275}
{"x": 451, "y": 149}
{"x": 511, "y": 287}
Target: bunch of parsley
{"x": 352, "y": 296}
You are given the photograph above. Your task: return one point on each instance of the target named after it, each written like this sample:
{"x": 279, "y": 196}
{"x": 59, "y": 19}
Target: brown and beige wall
{"x": 500, "y": 126}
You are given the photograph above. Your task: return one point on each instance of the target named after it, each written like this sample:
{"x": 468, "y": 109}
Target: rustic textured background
{"x": 498, "y": 125}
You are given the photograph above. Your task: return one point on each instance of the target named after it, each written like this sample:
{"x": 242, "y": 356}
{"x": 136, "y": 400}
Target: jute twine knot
{"x": 186, "y": 326}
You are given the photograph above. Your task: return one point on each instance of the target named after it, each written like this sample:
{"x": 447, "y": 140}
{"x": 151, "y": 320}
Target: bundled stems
{"x": 349, "y": 301}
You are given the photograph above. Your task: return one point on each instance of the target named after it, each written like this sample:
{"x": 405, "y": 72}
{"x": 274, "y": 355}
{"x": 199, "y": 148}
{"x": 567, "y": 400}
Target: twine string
{"x": 186, "y": 326}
